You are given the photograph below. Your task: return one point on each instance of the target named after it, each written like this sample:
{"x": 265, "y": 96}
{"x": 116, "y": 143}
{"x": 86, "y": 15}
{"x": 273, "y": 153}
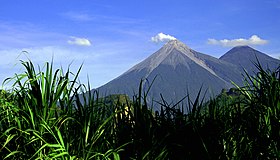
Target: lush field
{"x": 49, "y": 115}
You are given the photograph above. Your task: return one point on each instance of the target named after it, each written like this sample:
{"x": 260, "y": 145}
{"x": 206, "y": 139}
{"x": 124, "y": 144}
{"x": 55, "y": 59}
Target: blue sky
{"x": 109, "y": 37}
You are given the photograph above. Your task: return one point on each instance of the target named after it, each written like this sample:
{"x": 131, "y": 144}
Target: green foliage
{"x": 49, "y": 115}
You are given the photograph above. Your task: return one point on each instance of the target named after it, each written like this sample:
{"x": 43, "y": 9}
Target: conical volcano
{"x": 173, "y": 53}
{"x": 179, "y": 71}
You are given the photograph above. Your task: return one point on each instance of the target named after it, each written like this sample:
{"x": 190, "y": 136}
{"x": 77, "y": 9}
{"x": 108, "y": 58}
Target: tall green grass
{"x": 50, "y": 115}
{"x": 44, "y": 119}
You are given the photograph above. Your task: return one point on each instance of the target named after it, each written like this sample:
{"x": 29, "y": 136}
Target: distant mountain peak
{"x": 242, "y": 47}
{"x": 170, "y": 48}
{"x": 241, "y": 52}
{"x": 246, "y": 56}
{"x": 175, "y": 44}
{"x": 172, "y": 53}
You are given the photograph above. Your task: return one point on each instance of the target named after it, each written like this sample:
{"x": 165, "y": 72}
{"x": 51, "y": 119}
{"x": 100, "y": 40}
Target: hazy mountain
{"x": 178, "y": 70}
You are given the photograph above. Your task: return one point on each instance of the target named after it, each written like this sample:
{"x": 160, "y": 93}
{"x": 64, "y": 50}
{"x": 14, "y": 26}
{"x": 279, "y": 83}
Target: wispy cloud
{"x": 94, "y": 59}
{"x": 161, "y": 37}
{"x": 75, "y": 16}
{"x": 86, "y": 17}
{"x": 23, "y": 34}
{"x": 79, "y": 41}
{"x": 253, "y": 40}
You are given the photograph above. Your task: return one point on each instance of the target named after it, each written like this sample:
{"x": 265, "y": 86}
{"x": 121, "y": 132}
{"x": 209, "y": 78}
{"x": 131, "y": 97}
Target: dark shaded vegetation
{"x": 49, "y": 115}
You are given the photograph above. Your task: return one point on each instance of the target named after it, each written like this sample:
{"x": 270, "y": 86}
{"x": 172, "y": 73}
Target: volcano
{"x": 177, "y": 71}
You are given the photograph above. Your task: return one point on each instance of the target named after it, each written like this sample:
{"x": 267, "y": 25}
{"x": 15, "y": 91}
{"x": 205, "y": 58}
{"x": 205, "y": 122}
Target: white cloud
{"x": 253, "y": 40}
{"x": 79, "y": 41}
{"x": 161, "y": 37}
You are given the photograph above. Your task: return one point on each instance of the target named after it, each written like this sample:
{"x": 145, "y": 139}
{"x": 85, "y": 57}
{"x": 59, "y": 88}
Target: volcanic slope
{"x": 179, "y": 71}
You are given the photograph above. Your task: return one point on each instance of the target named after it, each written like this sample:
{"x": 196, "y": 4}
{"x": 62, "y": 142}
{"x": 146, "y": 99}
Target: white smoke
{"x": 161, "y": 37}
